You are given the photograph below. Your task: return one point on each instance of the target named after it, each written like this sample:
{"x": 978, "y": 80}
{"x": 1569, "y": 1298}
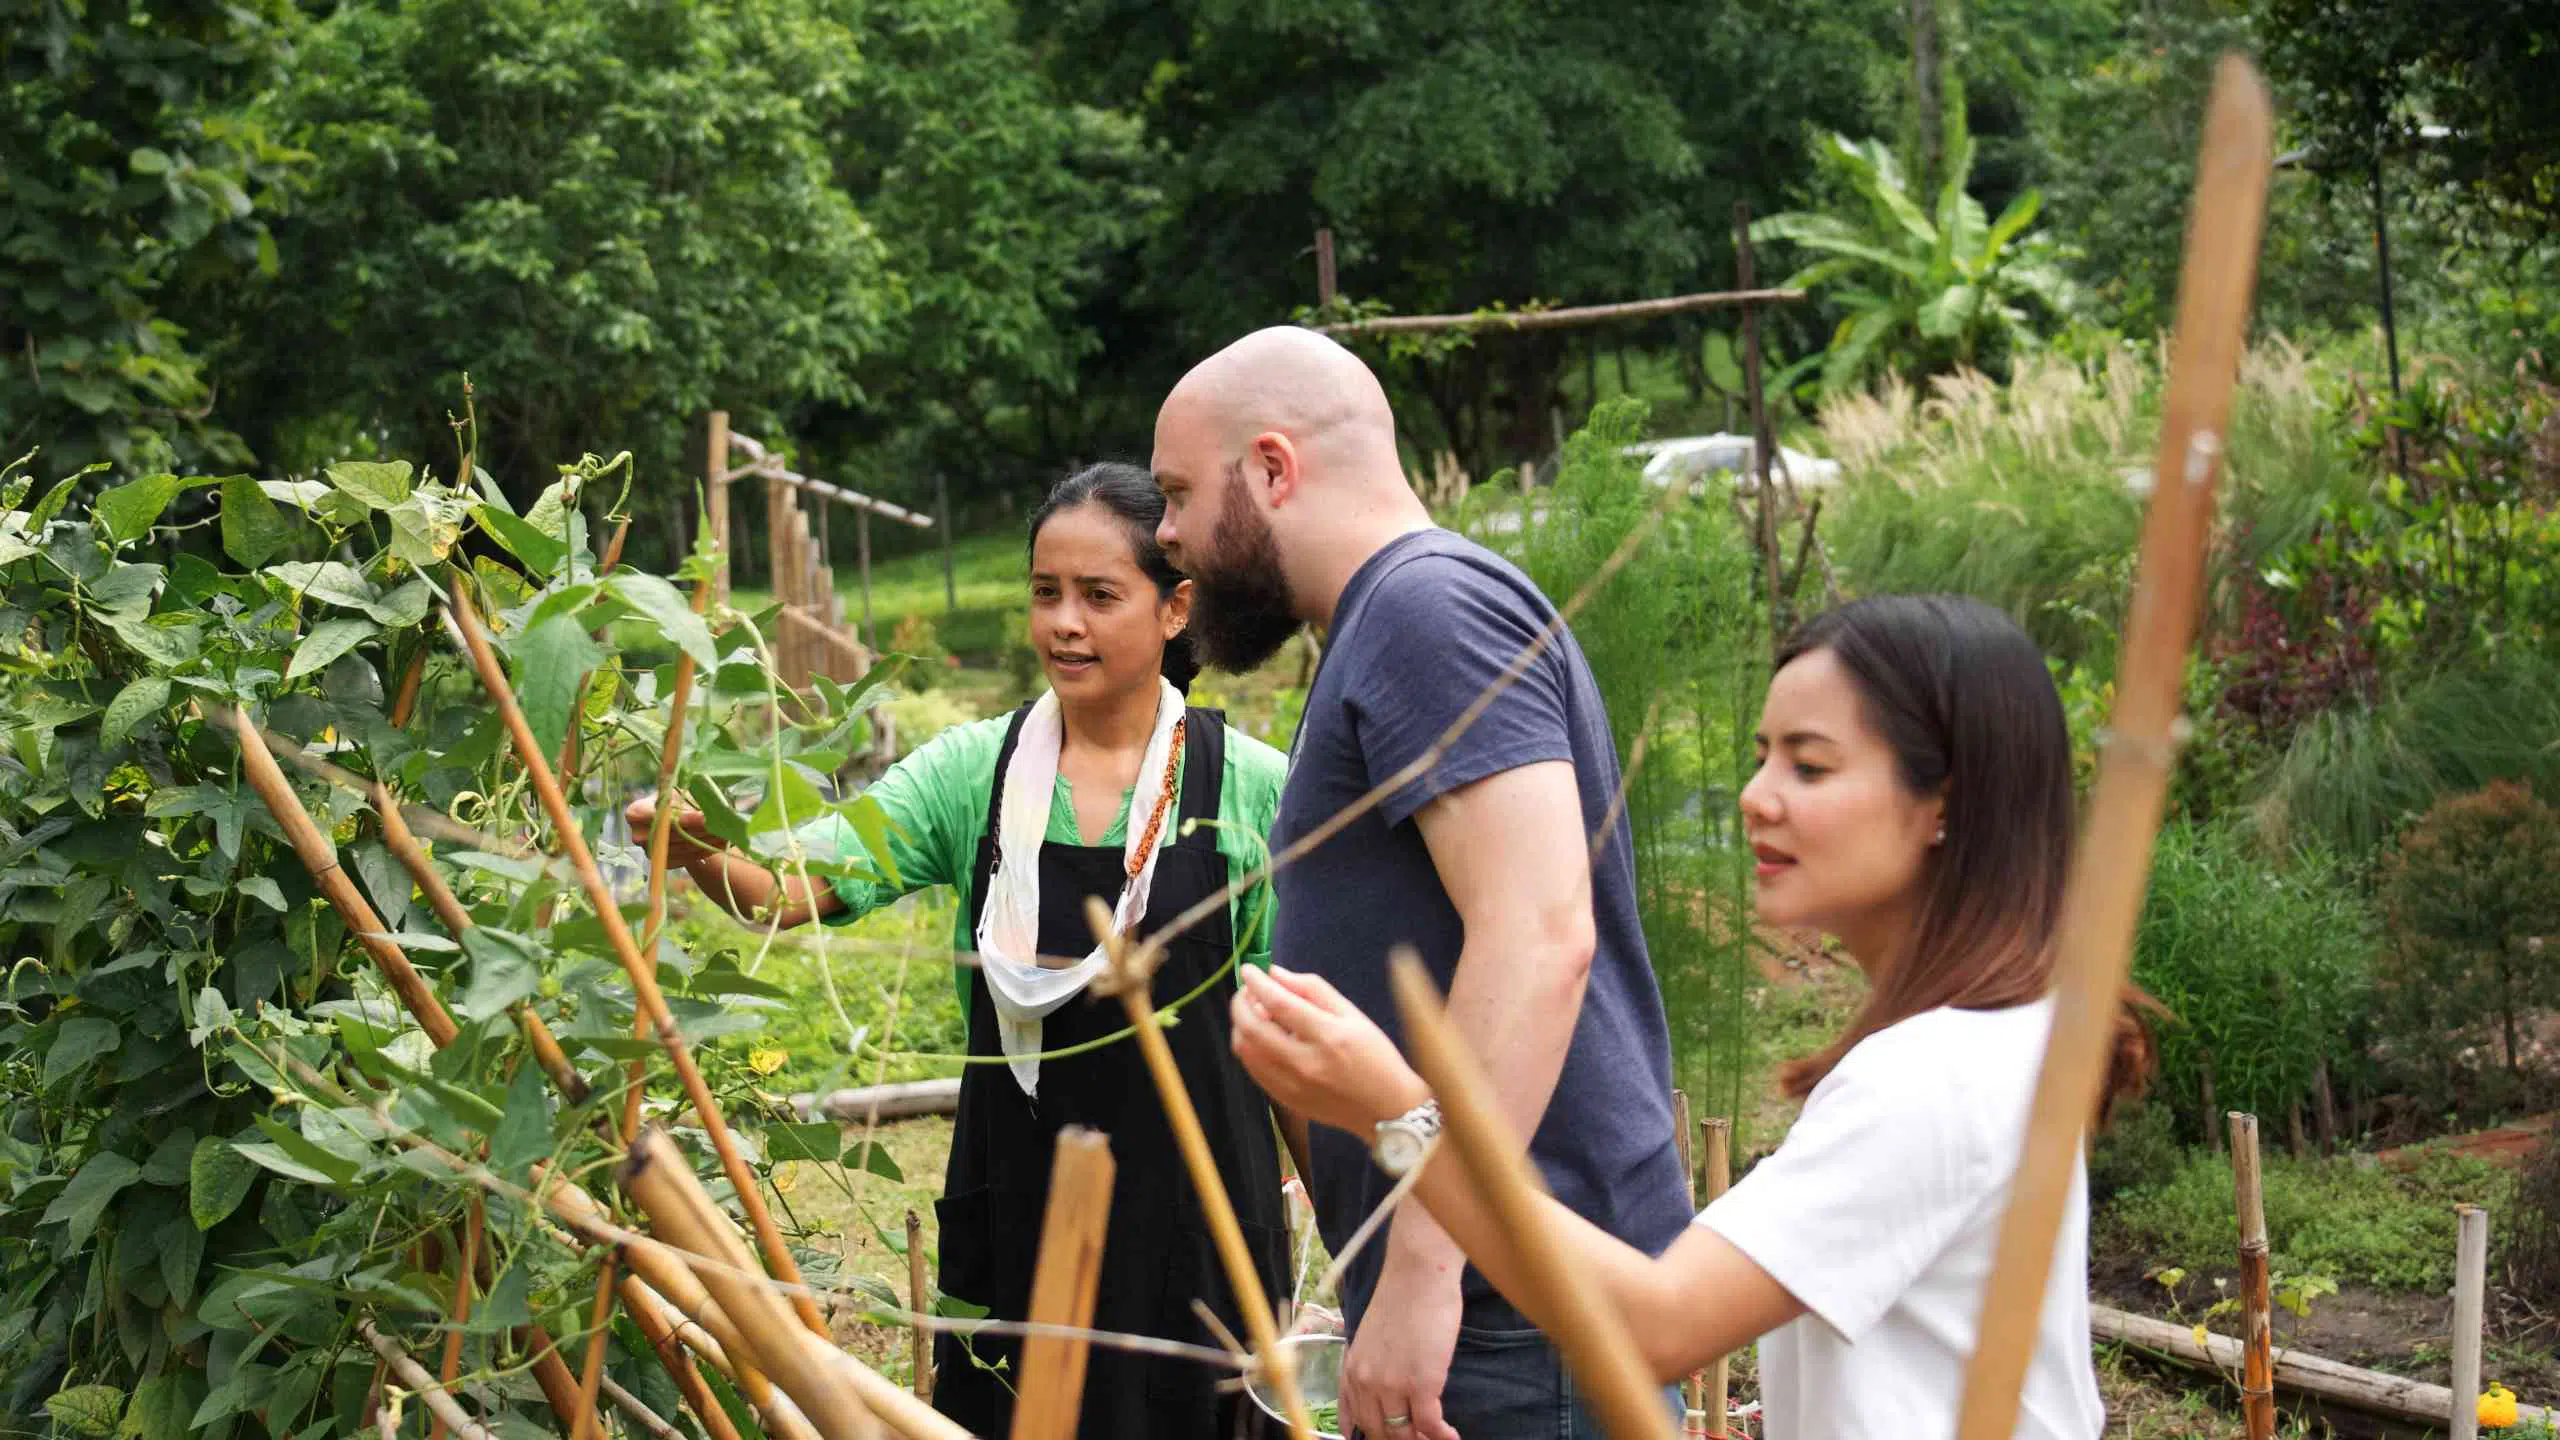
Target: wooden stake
{"x": 1717, "y": 1132}
{"x": 2104, "y": 894}
{"x": 715, "y": 472}
{"x": 1324, "y": 267}
{"x": 1062, "y": 1288}
{"x": 460, "y": 1315}
{"x": 919, "y": 1296}
{"x": 684, "y": 1216}
{"x": 2257, "y": 1311}
{"x": 1592, "y": 1336}
{"x": 1131, "y": 978}
{"x": 414, "y": 1378}
{"x": 2470, "y": 1284}
{"x": 661, "y": 838}
{"x": 1693, "y": 1391}
{"x": 644, "y": 978}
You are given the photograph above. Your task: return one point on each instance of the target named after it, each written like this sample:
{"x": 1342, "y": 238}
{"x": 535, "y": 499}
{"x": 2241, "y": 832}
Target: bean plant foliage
{"x": 227, "y": 1144}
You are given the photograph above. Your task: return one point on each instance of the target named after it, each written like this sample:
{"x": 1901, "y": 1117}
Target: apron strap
{"x": 988, "y": 852}
{"x": 1204, "y": 773}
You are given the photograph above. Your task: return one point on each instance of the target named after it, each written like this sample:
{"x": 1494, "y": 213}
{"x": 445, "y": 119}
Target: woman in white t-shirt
{"x": 1914, "y": 801}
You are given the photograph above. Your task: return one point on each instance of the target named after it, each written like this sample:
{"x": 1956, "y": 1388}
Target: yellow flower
{"x": 786, "y": 1178}
{"x": 2497, "y": 1409}
{"x": 765, "y": 1062}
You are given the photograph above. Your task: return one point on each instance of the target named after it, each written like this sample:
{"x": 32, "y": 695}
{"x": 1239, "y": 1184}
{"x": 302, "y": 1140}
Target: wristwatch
{"x": 1402, "y": 1142}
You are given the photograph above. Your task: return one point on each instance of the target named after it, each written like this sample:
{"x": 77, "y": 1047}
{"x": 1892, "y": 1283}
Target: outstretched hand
{"x": 689, "y": 838}
{"x": 1314, "y": 1052}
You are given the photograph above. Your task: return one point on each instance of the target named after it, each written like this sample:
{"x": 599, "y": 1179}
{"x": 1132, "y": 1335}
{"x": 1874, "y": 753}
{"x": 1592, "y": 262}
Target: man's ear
{"x": 1272, "y": 464}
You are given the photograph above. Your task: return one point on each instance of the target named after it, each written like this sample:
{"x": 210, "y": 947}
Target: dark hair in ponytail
{"x": 1964, "y": 700}
{"x": 1131, "y": 497}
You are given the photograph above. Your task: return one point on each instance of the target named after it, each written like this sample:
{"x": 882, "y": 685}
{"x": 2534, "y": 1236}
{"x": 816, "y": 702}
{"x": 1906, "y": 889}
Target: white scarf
{"x": 1025, "y": 990}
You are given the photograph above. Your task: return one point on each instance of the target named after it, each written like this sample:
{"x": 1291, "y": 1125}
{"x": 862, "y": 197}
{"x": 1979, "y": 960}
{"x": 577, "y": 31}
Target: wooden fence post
{"x": 919, "y": 1299}
{"x": 942, "y": 520}
{"x": 1718, "y": 1133}
{"x": 862, "y": 548}
{"x": 716, "y": 498}
{"x": 2257, "y": 1311}
{"x": 2470, "y": 1281}
{"x": 1062, "y": 1289}
{"x": 1693, "y": 1391}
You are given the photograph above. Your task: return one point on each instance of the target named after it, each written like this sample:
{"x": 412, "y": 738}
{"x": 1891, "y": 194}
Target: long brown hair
{"x": 1962, "y": 697}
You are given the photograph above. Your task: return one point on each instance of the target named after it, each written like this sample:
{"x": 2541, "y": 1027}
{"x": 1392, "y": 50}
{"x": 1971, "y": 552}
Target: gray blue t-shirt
{"x": 1421, "y": 631}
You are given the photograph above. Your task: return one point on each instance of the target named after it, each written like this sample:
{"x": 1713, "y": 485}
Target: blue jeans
{"x": 1513, "y": 1385}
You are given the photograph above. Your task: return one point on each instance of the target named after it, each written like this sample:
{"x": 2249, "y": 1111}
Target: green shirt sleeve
{"x": 1248, "y": 806}
{"x": 937, "y": 799}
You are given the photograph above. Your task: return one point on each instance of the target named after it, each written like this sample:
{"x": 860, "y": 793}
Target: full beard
{"x": 1241, "y": 612}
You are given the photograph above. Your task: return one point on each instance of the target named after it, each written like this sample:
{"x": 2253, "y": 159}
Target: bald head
{"x": 1297, "y": 383}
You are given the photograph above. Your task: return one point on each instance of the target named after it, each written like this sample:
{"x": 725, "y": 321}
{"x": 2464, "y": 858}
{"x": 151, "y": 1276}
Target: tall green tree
{"x": 613, "y": 218}
{"x": 129, "y": 159}
{"x": 1465, "y": 155}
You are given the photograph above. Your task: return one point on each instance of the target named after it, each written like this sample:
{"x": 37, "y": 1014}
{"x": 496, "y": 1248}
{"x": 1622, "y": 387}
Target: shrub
{"x": 2342, "y": 1218}
{"x": 2468, "y": 899}
{"x": 2263, "y": 967}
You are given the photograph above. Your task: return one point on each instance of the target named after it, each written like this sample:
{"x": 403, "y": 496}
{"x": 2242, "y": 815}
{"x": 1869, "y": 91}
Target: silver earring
{"x": 1942, "y": 835}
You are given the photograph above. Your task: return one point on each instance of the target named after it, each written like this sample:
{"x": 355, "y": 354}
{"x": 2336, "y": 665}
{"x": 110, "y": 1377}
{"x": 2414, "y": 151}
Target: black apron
{"x": 1157, "y": 1255}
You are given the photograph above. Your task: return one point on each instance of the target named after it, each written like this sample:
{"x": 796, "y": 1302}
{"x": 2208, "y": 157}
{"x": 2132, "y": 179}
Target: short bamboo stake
{"x": 590, "y": 1424}
{"x": 644, "y": 980}
{"x": 1062, "y": 1288}
{"x": 439, "y": 1401}
{"x": 918, "y": 1295}
{"x": 2470, "y": 1287}
{"x": 1131, "y": 978}
{"x": 1592, "y": 1336}
{"x": 2257, "y": 1310}
{"x": 641, "y": 1415}
{"x": 1717, "y": 1133}
{"x": 2103, "y": 897}
{"x": 1693, "y": 1391}
{"x": 685, "y": 1217}
{"x": 661, "y": 837}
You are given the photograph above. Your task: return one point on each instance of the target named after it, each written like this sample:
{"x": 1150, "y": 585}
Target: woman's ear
{"x": 1176, "y": 611}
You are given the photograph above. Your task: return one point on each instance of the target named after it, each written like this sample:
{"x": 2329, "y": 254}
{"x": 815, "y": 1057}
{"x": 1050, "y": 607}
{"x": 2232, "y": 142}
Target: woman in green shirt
{"x": 1083, "y": 792}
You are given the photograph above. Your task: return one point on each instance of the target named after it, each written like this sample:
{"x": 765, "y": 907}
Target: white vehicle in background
{"x": 1695, "y": 455}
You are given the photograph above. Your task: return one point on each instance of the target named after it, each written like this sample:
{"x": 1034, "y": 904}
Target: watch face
{"x": 1398, "y": 1148}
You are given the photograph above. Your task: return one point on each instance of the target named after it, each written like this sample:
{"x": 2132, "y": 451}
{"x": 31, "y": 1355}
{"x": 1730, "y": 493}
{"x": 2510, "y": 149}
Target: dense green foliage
{"x": 2264, "y": 972}
{"x": 1675, "y": 645}
{"x": 2332, "y": 1218}
{"x": 2469, "y": 895}
{"x": 224, "y": 1135}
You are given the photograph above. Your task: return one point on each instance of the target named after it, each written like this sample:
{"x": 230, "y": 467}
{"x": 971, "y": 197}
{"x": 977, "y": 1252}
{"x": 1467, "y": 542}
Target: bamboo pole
{"x": 1062, "y": 1288}
{"x": 1693, "y": 1391}
{"x": 439, "y": 1401}
{"x": 1717, "y": 1132}
{"x": 2257, "y": 1311}
{"x": 644, "y": 979}
{"x": 2104, "y": 894}
{"x": 918, "y": 1294}
{"x": 1563, "y": 318}
{"x": 641, "y": 1415}
{"x": 2394, "y": 1396}
{"x": 1131, "y": 977}
{"x": 2470, "y": 1285}
{"x": 715, "y": 473}
{"x": 683, "y": 1216}
{"x": 1593, "y": 1337}
{"x": 460, "y": 1314}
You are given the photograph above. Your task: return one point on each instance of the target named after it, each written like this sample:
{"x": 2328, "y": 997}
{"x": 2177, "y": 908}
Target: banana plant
{"x": 1923, "y": 289}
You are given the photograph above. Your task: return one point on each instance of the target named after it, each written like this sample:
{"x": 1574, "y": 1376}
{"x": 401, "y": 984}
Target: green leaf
{"x": 164, "y": 1404}
{"x": 181, "y": 1257}
{"x": 423, "y": 529}
{"x": 264, "y": 891}
{"x": 277, "y": 1158}
{"x": 380, "y": 484}
{"x": 525, "y": 1135}
{"x": 218, "y": 1179}
{"x": 503, "y": 971}
{"x": 126, "y": 513}
{"x": 133, "y": 704}
{"x": 551, "y": 664}
{"x": 252, "y": 527}
{"x": 87, "y": 1409}
{"x": 327, "y": 641}
{"x": 168, "y": 1162}
{"x": 870, "y": 1155}
{"x": 405, "y": 606}
{"x": 539, "y": 552}
{"x": 76, "y": 1044}
{"x": 817, "y": 1141}
{"x": 85, "y": 1198}
{"x": 169, "y": 640}
{"x": 661, "y": 602}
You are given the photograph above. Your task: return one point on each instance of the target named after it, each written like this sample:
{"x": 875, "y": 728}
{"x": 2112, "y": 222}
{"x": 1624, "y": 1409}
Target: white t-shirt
{"x": 1881, "y": 1212}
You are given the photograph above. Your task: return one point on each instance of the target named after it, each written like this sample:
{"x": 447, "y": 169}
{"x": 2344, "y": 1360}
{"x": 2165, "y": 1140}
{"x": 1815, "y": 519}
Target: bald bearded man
{"x": 1286, "y": 503}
